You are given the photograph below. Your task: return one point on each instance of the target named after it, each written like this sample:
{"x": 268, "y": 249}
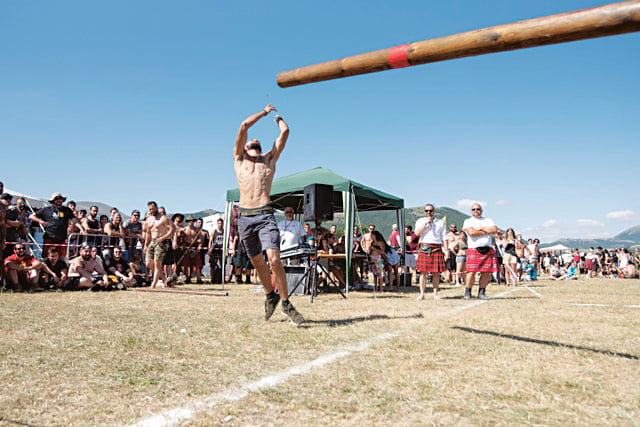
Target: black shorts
{"x": 258, "y": 233}
{"x": 72, "y": 284}
{"x": 451, "y": 262}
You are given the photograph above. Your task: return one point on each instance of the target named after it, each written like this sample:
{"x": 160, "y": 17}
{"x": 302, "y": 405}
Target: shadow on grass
{"x": 332, "y": 323}
{"x": 546, "y": 342}
{"x": 14, "y": 422}
{"x": 459, "y": 297}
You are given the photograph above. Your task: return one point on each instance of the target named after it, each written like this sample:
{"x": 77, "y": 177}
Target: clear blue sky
{"x": 126, "y": 101}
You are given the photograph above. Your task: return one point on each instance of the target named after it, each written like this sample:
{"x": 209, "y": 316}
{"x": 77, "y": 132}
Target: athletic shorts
{"x": 461, "y": 258}
{"x": 258, "y": 233}
{"x": 157, "y": 250}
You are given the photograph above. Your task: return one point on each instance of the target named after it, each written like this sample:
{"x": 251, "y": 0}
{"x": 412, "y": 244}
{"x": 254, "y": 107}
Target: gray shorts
{"x": 258, "y": 233}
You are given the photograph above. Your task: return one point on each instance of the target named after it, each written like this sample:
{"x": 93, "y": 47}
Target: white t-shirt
{"x": 290, "y": 233}
{"x": 478, "y": 241}
{"x": 433, "y": 233}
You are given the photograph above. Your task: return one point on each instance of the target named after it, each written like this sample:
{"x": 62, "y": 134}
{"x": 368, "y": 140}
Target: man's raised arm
{"x": 241, "y": 139}
{"x": 278, "y": 146}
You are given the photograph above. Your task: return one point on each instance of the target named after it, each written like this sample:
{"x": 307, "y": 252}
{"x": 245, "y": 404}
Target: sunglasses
{"x": 428, "y": 210}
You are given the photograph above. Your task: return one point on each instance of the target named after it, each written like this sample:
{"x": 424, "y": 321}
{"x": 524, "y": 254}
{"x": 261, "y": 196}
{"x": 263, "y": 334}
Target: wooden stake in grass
{"x": 608, "y": 20}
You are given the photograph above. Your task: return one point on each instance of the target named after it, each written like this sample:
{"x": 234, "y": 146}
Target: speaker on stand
{"x": 318, "y": 202}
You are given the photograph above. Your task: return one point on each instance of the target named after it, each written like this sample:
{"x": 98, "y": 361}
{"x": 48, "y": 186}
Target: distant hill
{"x": 632, "y": 234}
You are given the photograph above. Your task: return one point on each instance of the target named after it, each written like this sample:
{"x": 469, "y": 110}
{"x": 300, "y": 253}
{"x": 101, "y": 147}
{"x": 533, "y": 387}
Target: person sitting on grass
{"x": 22, "y": 270}
{"x": 53, "y": 274}
{"x": 81, "y": 271}
{"x": 532, "y": 273}
{"x": 139, "y": 270}
{"x": 120, "y": 273}
{"x": 556, "y": 272}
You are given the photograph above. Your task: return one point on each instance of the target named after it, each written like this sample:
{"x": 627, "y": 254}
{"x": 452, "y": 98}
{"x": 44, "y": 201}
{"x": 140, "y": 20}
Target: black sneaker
{"x": 270, "y": 304}
{"x": 467, "y": 293}
{"x": 482, "y": 295}
{"x": 293, "y": 315}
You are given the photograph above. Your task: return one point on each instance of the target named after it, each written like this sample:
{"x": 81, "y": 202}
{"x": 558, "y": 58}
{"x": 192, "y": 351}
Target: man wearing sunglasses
{"x": 22, "y": 269}
{"x": 433, "y": 250}
{"x": 481, "y": 255}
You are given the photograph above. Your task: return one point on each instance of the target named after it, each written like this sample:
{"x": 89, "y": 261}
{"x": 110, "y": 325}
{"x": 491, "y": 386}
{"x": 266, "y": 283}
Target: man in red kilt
{"x": 433, "y": 249}
{"x": 481, "y": 255}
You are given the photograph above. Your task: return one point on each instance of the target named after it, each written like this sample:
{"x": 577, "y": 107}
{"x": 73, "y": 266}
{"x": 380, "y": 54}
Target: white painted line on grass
{"x": 600, "y": 305}
{"x": 534, "y": 292}
{"x": 172, "y": 417}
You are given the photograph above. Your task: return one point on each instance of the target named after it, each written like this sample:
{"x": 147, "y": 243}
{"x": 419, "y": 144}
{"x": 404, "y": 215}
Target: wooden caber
{"x": 608, "y": 20}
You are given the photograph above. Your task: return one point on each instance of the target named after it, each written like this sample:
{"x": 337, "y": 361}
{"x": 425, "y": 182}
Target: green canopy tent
{"x": 348, "y": 196}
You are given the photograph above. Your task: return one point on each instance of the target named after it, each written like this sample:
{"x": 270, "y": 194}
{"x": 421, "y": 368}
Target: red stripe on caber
{"x": 398, "y": 56}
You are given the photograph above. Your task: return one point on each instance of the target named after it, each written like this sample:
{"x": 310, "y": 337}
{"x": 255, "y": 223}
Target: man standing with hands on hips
{"x": 256, "y": 223}
{"x": 431, "y": 256}
{"x": 481, "y": 255}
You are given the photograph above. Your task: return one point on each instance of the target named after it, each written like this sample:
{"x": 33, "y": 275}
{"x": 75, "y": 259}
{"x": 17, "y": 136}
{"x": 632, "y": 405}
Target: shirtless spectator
{"x": 22, "y": 270}
{"x": 54, "y": 271}
{"x": 365, "y": 243}
{"x": 533, "y": 249}
{"x": 522, "y": 258}
{"x": 118, "y": 267}
{"x": 133, "y": 226}
{"x": 171, "y": 264}
{"x": 81, "y": 270}
{"x": 157, "y": 240}
{"x": 190, "y": 240}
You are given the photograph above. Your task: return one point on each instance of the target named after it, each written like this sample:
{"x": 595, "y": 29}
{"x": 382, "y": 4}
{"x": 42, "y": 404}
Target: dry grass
{"x": 115, "y": 358}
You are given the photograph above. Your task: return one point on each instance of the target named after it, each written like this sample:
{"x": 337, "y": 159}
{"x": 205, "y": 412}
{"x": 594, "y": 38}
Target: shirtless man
{"x": 365, "y": 244}
{"x": 522, "y": 260}
{"x": 157, "y": 238}
{"x": 190, "y": 239}
{"x": 81, "y": 269}
{"x": 256, "y": 222}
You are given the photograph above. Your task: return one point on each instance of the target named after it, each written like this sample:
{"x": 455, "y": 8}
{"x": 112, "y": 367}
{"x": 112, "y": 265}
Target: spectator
{"x": 204, "y": 245}
{"x": 481, "y": 256}
{"x": 11, "y": 223}
{"x": 189, "y": 238}
{"x": 139, "y": 270}
{"x": 133, "y": 227}
{"x": 434, "y": 249}
{"x": 72, "y": 205}
{"x": 91, "y": 225}
{"x": 81, "y": 270}
{"x": 116, "y": 232}
{"x": 55, "y": 219}
{"x": 22, "y": 270}
{"x": 54, "y": 271}
{"x": 394, "y": 237}
{"x": 120, "y": 274}
{"x": 290, "y": 230}
{"x": 215, "y": 252}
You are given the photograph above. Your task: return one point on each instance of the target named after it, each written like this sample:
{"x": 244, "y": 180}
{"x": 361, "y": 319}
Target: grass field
{"x": 386, "y": 359}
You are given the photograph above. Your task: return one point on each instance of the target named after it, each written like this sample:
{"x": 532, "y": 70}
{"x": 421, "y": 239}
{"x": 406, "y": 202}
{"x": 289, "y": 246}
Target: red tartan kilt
{"x": 432, "y": 263}
{"x": 478, "y": 263}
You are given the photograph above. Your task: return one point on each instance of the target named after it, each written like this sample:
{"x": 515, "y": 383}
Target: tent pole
{"x": 228, "y": 209}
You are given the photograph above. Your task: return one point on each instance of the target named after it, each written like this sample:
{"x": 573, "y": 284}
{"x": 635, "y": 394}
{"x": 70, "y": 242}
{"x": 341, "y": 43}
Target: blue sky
{"x": 126, "y": 101}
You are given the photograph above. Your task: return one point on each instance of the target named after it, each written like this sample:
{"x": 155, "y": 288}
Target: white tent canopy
{"x": 558, "y": 247}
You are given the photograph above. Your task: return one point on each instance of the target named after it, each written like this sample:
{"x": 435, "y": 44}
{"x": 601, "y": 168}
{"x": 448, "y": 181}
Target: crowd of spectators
{"x": 107, "y": 253}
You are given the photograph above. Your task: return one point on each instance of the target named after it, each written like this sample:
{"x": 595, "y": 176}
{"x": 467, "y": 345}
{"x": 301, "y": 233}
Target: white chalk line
{"x": 600, "y": 305}
{"x": 172, "y": 417}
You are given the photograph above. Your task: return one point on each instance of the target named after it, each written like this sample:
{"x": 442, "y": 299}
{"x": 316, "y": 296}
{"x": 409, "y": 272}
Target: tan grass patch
{"x": 114, "y": 358}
